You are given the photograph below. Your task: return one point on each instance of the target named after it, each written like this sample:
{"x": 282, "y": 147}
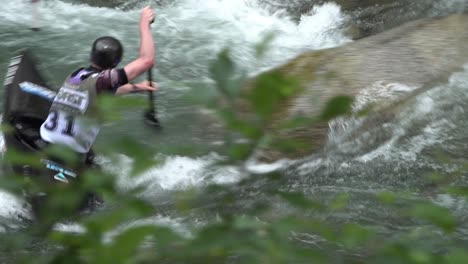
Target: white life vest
{"x": 69, "y": 122}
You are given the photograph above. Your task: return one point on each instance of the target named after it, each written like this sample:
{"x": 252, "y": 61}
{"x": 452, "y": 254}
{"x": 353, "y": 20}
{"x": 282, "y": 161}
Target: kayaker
{"x": 72, "y": 120}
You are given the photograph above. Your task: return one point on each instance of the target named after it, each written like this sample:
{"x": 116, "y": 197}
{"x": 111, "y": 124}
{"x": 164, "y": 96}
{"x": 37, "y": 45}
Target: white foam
{"x": 175, "y": 173}
{"x": 11, "y": 206}
{"x": 241, "y": 24}
{"x": 161, "y": 221}
{"x": 322, "y": 26}
{"x": 380, "y": 91}
{"x": 157, "y": 220}
{"x": 256, "y": 167}
{"x": 56, "y": 14}
{"x": 70, "y": 228}
{"x": 181, "y": 173}
{"x": 429, "y": 109}
{"x": 449, "y": 201}
{"x": 2, "y": 140}
{"x": 191, "y": 31}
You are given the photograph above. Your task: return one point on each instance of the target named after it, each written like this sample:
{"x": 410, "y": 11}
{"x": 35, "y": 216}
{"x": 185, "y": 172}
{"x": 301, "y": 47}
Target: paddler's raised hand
{"x": 147, "y": 16}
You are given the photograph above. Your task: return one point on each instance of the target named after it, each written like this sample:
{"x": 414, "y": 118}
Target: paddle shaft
{"x": 150, "y": 93}
{"x": 35, "y": 15}
{"x": 151, "y": 114}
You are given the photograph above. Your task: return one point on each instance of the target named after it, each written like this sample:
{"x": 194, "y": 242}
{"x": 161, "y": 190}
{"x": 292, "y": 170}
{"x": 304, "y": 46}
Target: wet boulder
{"x": 414, "y": 54}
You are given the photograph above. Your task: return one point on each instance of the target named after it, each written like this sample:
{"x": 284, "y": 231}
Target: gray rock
{"x": 414, "y": 54}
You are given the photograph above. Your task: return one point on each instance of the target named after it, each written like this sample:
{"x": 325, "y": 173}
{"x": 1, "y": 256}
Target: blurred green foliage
{"x": 255, "y": 236}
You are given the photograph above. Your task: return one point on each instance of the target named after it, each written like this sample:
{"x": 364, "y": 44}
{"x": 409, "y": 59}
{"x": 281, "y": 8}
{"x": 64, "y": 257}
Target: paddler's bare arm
{"x": 137, "y": 87}
{"x": 147, "y": 53}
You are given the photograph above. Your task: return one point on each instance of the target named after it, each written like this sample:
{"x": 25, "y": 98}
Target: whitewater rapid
{"x": 187, "y": 36}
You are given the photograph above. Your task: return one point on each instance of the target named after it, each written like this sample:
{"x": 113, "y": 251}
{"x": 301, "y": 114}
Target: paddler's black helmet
{"x": 106, "y": 52}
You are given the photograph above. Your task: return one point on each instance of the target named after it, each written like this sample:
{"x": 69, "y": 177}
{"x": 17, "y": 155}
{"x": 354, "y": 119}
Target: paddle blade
{"x": 151, "y": 119}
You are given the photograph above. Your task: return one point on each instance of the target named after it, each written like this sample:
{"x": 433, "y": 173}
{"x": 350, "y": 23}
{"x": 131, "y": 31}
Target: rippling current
{"x": 188, "y": 35}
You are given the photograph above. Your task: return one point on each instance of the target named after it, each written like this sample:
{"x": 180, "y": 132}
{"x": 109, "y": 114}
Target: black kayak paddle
{"x": 151, "y": 114}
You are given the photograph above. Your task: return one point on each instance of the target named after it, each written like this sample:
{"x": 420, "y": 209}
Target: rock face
{"x": 413, "y": 54}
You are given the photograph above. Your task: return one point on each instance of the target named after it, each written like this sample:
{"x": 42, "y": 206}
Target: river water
{"x": 188, "y": 35}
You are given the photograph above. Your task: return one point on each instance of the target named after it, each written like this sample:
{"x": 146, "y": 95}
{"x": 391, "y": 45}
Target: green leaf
{"x": 437, "y": 215}
{"x": 247, "y": 223}
{"x": 419, "y": 256}
{"x": 356, "y": 236}
{"x": 6, "y": 129}
{"x": 299, "y": 121}
{"x": 269, "y": 91}
{"x": 262, "y": 47}
{"x": 339, "y": 105}
{"x": 142, "y": 154}
{"x": 387, "y": 197}
{"x": 250, "y": 130}
{"x": 68, "y": 156}
{"x": 300, "y": 201}
{"x": 292, "y": 146}
{"x": 129, "y": 209}
{"x": 19, "y": 158}
{"x": 457, "y": 256}
{"x": 241, "y": 151}
{"x": 458, "y": 190}
{"x": 200, "y": 94}
{"x": 111, "y": 108}
{"x": 223, "y": 71}
{"x": 125, "y": 244}
{"x": 340, "y": 202}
